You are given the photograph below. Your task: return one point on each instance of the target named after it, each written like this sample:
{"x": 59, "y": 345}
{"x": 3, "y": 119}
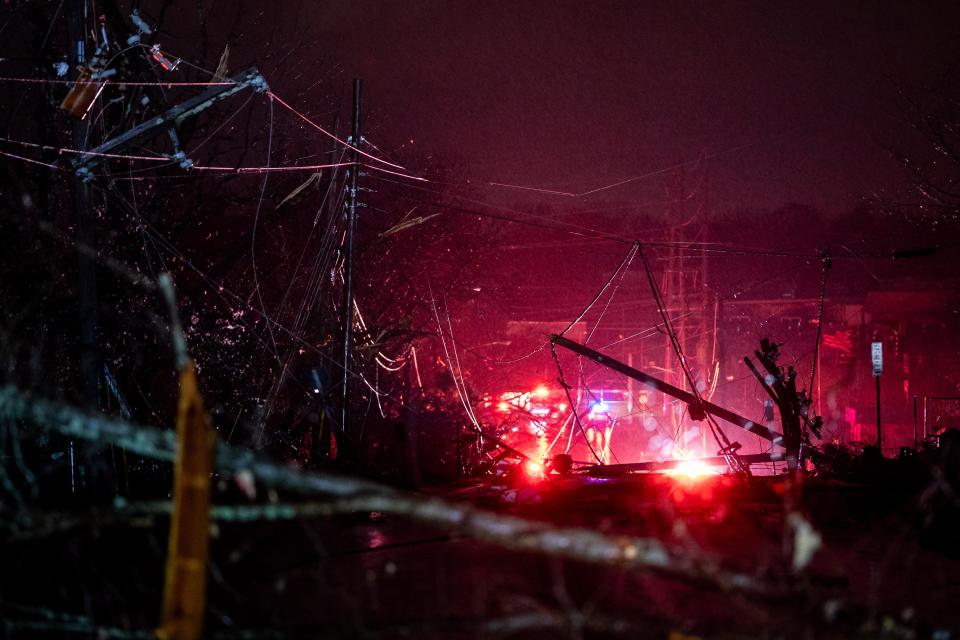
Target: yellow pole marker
{"x": 184, "y": 592}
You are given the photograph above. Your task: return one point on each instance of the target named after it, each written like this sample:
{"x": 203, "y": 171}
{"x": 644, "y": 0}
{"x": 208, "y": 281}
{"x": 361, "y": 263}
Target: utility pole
{"x": 86, "y": 238}
{"x": 879, "y": 430}
{"x": 170, "y": 120}
{"x": 348, "y": 259}
{"x": 876, "y": 362}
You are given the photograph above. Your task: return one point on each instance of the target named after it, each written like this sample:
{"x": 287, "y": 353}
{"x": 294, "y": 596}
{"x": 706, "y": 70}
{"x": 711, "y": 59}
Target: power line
{"x": 577, "y": 230}
{"x": 627, "y": 259}
{"x": 167, "y": 159}
{"x": 596, "y": 234}
{"x": 576, "y": 416}
{"x": 573, "y": 229}
{"x": 118, "y": 83}
{"x": 721, "y": 438}
{"x": 353, "y": 147}
{"x": 30, "y": 160}
{"x": 635, "y": 178}
{"x": 395, "y": 173}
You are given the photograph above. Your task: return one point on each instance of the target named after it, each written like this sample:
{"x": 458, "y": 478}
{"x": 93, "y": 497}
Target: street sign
{"x": 876, "y": 358}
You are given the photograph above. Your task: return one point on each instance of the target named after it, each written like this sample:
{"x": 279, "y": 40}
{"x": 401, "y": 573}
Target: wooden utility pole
{"x": 348, "y": 261}
{"x": 781, "y": 386}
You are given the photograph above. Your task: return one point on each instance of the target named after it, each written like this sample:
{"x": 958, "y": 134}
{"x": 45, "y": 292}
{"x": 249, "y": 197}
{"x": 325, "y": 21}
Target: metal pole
{"x": 348, "y": 257}
{"x": 879, "y": 433}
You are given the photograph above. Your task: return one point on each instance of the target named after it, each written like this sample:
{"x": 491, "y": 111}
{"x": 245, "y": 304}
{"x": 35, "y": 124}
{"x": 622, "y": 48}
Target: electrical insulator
{"x": 166, "y": 63}
{"x": 81, "y": 94}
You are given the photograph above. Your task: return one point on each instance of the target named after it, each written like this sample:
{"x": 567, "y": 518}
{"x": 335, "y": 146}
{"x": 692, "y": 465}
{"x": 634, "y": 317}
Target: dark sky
{"x": 790, "y": 102}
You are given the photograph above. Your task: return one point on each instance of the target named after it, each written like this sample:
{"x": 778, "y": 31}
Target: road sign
{"x": 876, "y": 358}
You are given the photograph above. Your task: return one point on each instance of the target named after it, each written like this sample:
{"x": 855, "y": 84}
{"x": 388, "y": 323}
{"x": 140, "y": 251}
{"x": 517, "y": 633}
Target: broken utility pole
{"x": 668, "y": 389}
{"x": 171, "y": 119}
{"x": 698, "y": 409}
{"x": 781, "y": 386}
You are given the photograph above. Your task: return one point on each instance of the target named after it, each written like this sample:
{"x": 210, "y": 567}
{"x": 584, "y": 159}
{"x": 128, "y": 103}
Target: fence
{"x": 933, "y": 415}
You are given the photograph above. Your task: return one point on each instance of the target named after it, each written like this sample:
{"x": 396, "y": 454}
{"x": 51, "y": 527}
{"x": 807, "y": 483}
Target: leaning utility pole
{"x": 170, "y": 120}
{"x": 348, "y": 259}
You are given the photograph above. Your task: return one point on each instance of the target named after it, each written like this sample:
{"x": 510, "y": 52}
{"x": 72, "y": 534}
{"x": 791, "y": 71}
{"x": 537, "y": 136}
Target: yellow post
{"x": 184, "y": 592}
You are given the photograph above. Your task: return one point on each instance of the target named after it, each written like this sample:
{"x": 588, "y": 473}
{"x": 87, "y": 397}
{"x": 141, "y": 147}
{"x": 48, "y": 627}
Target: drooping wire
{"x": 268, "y": 168}
{"x": 29, "y": 160}
{"x": 222, "y": 290}
{"x": 395, "y": 173}
{"x": 450, "y": 363}
{"x": 658, "y": 328}
{"x": 168, "y": 161}
{"x": 623, "y": 272}
{"x": 63, "y": 150}
{"x": 656, "y": 172}
{"x": 314, "y": 280}
{"x": 573, "y": 406}
{"x": 543, "y": 345}
{"x": 719, "y": 436}
{"x": 456, "y": 357}
{"x": 627, "y": 259}
{"x": 158, "y": 83}
{"x": 621, "y": 269}
{"x": 322, "y": 130}
{"x": 560, "y": 431}
{"x": 499, "y": 362}
{"x": 529, "y": 219}
{"x": 550, "y": 223}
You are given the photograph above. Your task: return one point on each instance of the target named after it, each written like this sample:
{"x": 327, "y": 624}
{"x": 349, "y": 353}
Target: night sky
{"x": 789, "y": 102}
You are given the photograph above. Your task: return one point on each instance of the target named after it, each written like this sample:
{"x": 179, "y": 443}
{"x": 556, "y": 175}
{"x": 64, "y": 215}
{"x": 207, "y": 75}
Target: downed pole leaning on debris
{"x": 353, "y": 495}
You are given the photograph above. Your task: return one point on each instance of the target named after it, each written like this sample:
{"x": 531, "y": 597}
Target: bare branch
{"x": 355, "y": 495}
